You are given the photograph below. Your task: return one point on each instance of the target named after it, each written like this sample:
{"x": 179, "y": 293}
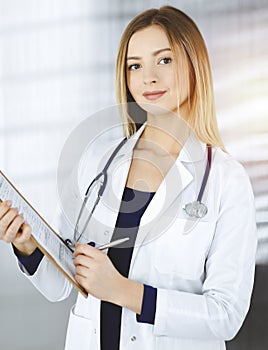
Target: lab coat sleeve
{"x": 48, "y": 280}
{"x": 219, "y": 311}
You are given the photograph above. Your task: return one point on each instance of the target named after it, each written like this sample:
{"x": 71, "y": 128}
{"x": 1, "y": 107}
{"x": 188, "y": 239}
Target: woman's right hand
{"x": 13, "y": 229}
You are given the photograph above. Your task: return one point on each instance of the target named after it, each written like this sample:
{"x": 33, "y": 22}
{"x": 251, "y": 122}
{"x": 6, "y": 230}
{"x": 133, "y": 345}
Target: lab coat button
{"x": 133, "y": 338}
{"x": 106, "y": 233}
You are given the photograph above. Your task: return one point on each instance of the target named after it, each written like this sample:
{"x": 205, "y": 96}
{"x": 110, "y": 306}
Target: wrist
{"x": 129, "y": 294}
{"x": 25, "y": 249}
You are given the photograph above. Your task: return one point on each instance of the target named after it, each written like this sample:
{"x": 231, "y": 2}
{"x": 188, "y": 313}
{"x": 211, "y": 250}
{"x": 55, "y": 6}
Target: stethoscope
{"x": 195, "y": 209}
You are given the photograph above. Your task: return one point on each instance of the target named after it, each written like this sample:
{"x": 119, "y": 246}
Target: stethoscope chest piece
{"x": 196, "y": 209}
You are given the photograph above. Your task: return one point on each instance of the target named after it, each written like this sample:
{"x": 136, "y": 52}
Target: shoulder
{"x": 230, "y": 175}
{"x": 96, "y": 155}
{"x": 226, "y": 164}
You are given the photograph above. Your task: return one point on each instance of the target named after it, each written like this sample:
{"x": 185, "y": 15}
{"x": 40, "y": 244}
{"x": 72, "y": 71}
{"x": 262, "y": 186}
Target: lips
{"x": 153, "y": 95}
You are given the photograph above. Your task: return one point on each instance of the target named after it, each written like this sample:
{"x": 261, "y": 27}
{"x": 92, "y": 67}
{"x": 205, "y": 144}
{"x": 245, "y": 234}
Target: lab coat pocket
{"x": 79, "y": 332}
{"x": 182, "y": 250}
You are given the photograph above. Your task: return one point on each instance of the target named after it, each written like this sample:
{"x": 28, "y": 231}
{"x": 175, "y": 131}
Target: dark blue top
{"x": 133, "y": 205}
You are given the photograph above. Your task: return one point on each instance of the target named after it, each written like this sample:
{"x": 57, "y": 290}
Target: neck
{"x": 166, "y": 132}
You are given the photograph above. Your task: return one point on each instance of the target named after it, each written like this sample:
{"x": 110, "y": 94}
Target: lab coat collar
{"x": 193, "y": 150}
{"x": 175, "y": 181}
{"x": 131, "y": 142}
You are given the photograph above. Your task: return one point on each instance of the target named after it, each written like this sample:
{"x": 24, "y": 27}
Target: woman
{"x": 185, "y": 280}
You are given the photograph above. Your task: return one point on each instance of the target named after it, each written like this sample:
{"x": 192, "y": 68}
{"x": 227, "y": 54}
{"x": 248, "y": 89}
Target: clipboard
{"x": 47, "y": 240}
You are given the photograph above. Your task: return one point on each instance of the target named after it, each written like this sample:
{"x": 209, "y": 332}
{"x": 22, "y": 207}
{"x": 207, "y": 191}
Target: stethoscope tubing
{"x": 103, "y": 174}
{"x": 206, "y": 174}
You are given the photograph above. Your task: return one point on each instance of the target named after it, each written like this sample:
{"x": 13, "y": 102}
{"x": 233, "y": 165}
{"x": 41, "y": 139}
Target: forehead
{"x": 148, "y": 39}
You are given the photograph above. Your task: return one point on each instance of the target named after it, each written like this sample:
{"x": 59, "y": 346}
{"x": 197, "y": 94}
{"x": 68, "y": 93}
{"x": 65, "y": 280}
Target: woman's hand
{"x": 95, "y": 272}
{"x": 13, "y": 229}
{"x": 98, "y": 276}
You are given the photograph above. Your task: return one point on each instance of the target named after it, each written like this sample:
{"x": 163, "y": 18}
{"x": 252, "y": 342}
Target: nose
{"x": 149, "y": 76}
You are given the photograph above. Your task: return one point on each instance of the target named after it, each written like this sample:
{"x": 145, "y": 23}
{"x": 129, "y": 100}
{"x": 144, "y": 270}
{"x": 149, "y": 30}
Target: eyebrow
{"x": 155, "y": 53}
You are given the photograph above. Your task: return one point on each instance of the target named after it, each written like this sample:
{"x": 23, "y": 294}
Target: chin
{"x": 155, "y": 109}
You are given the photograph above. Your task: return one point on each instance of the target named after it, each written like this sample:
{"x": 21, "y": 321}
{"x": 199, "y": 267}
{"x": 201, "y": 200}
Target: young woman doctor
{"x": 185, "y": 281}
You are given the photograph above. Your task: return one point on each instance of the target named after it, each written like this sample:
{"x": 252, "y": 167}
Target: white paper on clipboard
{"x": 49, "y": 242}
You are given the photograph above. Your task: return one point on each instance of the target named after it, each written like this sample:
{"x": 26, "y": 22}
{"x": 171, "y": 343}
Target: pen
{"x": 114, "y": 243}
{"x": 102, "y": 247}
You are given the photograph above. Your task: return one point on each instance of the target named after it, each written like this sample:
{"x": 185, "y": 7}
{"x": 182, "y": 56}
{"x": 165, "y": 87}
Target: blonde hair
{"x": 184, "y": 35}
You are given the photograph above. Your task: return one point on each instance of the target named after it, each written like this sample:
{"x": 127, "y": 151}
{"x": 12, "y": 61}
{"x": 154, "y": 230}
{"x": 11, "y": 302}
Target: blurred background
{"x": 57, "y": 68}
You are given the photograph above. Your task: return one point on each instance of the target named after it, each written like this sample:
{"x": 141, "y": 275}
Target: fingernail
{"x": 92, "y": 244}
{"x": 8, "y": 203}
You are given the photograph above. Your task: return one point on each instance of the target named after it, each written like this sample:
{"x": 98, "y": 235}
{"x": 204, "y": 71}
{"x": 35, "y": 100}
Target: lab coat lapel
{"x": 177, "y": 178}
{"x": 117, "y": 177}
{"x": 159, "y": 213}
{"x": 157, "y": 217}
{"x": 175, "y": 181}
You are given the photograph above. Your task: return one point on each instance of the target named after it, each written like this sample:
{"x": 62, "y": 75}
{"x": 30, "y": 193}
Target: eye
{"x": 165, "y": 60}
{"x": 134, "y": 66}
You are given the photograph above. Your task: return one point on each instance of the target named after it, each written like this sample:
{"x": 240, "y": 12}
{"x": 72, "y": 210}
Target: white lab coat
{"x": 203, "y": 269}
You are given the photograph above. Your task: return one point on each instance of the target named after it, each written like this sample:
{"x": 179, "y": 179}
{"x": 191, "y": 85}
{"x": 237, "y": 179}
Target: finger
{"x": 13, "y": 229}
{"x": 83, "y": 260}
{"x": 82, "y": 271}
{"x": 6, "y": 221}
{"x": 4, "y": 207}
{"x": 80, "y": 280}
{"x": 25, "y": 235}
{"x": 86, "y": 250}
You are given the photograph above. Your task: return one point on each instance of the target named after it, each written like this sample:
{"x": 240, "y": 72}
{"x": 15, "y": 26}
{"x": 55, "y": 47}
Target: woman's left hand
{"x": 96, "y": 273}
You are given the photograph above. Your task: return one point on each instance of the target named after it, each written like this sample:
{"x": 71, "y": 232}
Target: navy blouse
{"x": 133, "y": 205}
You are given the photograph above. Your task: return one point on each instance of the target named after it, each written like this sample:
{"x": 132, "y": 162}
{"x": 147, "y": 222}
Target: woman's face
{"x": 151, "y": 72}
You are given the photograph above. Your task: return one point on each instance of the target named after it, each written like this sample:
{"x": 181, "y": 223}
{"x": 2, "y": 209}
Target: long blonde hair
{"x": 184, "y": 35}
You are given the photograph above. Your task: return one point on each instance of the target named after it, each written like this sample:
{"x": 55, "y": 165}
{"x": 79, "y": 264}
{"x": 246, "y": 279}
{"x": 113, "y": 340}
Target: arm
{"x": 96, "y": 273}
{"x": 44, "y": 275}
{"x": 47, "y": 278}
{"x": 220, "y": 309}
{"x": 30, "y": 262}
